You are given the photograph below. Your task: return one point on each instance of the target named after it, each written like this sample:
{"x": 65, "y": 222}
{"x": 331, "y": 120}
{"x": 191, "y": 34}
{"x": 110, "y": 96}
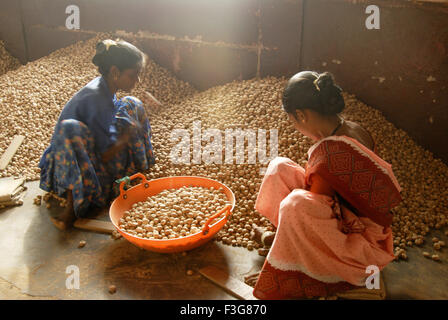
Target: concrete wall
{"x": 401, "y": 69}
{"x": 204, "y": 42}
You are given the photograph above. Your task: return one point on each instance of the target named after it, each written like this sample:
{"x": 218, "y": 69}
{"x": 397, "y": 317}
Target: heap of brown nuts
{"x": 7, "y": 61}
{"x": 32, "y": 97}
{"x": 173, "y": 213}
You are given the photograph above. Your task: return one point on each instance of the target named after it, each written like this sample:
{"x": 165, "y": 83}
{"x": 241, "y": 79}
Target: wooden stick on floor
{"x": 230, "y": 284}
{"x": 11, "y": 151}
{"x": 94, "y": 225}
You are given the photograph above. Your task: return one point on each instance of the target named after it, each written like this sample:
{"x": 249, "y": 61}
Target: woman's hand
{"x": 151, "y": 101}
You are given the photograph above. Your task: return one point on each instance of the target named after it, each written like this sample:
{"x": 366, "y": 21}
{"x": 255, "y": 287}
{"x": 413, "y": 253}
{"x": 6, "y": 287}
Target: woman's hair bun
{"x": 100, "y": 49}
{"x": 332, "y": 101}
{"x": 117, "y": 53}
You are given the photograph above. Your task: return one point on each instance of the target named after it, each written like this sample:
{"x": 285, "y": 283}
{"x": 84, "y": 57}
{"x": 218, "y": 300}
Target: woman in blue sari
{"x": 98, "y": 138}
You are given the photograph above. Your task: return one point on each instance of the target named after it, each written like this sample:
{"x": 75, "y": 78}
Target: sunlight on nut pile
{"x": 38, "y": 91}
{"x": 173, "y": 213}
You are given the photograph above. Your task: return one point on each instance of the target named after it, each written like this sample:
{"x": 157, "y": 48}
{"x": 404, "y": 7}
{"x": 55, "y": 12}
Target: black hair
{"x": 310, "y": 90}
{"x": 118, "y": 53}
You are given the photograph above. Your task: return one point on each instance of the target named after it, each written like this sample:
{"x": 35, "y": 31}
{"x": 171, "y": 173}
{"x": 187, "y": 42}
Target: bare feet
{"x": 58, "y": 223}
{"x": 251, "y": 279}
{"x": 65, "y": 220}
{"x": 67, "y": 217}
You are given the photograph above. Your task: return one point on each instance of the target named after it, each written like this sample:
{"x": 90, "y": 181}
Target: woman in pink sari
{"x": 332, "y": 218}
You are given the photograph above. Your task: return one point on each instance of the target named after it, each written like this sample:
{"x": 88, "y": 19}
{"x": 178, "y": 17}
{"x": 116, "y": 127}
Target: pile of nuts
{"x": 7, "y": 62}
{"x": 32, "y": 97}
{"x": 38, "y": 91}
{"x": 173, "y": 213}
{"x": 250, "y": 104}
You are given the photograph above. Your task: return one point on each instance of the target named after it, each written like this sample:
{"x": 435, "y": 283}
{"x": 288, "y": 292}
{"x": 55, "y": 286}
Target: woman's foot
{"x": 66, "y": 219}
{"x": 265, "y": 238}
{"x": 251, "y": 279}
{"x": 58, "y": 223}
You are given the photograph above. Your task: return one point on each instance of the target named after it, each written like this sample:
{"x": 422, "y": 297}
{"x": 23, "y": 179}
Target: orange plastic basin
{"x": 146, "y": 189}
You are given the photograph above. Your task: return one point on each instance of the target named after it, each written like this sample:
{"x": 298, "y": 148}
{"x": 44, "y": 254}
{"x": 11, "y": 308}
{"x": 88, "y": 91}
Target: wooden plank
{"x": 11, "y": 151}
{"x": 230, "y": 284}
{"x": 94, "y": 225}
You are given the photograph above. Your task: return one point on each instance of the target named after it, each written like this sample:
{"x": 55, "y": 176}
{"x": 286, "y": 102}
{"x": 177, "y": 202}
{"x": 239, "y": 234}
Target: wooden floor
{"x": 34, "y": 257}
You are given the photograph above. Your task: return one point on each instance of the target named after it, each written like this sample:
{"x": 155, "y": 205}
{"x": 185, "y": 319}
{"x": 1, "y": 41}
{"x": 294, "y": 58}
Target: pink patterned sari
{"x": 323, "y": 245}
